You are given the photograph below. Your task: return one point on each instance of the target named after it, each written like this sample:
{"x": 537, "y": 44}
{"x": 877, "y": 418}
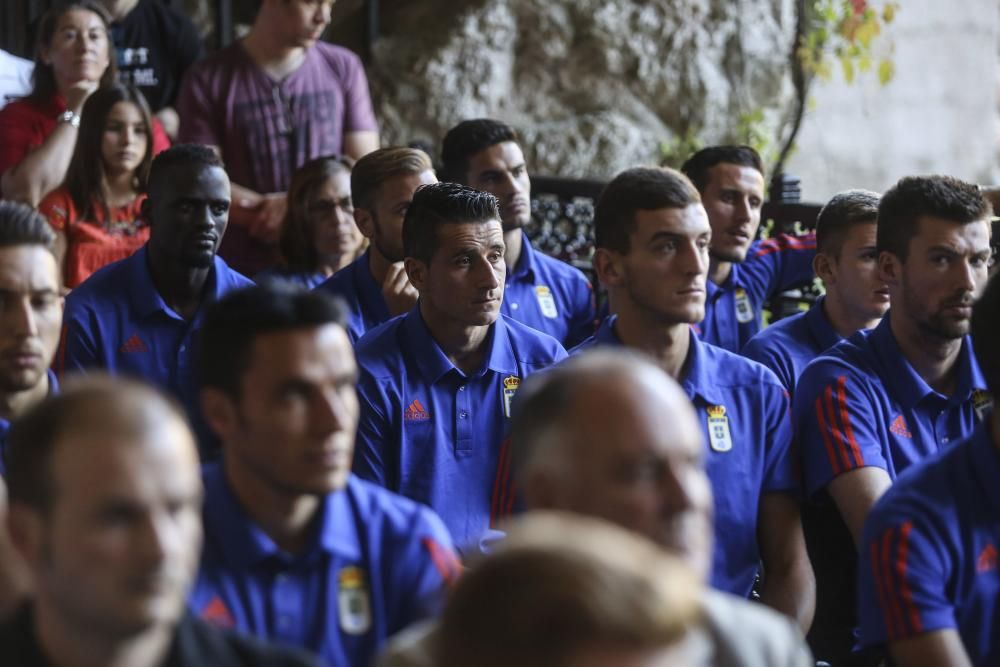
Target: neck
{"x": 277, "y": 58}
{"x": 119, "y": 188}
{"x": 718, "y": 270}
{"x": 378, "y": 264}
{"x": 181, "y": 288}
{"x": 285, "y": 516}
{"x": 17, "y": 403}
{"x": 71, "y": 645}
{"x": 666, "y": 342}
{"x": 464, "y": 345}
{"x": 933, "y": 358}
{"x": 514, "y": 241}
{"x": 843, "y": 319}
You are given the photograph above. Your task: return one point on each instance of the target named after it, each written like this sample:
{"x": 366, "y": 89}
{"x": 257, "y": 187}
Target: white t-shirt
{"x": 15, "y": 77}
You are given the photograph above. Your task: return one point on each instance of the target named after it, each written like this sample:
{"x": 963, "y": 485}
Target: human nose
{"x": 487, "y": 274}
{"x": 21, "y": 317}
{"x": 332, "y": 410}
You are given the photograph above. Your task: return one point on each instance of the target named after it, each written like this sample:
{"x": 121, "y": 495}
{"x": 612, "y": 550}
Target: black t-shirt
{"x": 196, "y": 644}
{"x": 156, "y": 45}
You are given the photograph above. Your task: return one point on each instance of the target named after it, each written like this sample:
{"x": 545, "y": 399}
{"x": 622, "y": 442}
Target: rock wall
{"x": 593, "y": 86}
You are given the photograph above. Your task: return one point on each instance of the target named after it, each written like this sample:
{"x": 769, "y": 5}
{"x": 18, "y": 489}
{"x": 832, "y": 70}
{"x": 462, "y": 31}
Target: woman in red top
{"x": 97, "y": 211}
{"x": 73, "y": 58}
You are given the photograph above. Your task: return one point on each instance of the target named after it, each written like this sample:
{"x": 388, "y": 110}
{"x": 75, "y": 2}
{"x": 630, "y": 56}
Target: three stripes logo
{"x": 415, "y": 412}
{"x": 133, "y": 344}
{"x": 898, "y": 427}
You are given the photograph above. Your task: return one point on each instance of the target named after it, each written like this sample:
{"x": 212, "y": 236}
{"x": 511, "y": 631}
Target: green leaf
{"x": 847, "y": 65}
{"x": 886, "y": 70}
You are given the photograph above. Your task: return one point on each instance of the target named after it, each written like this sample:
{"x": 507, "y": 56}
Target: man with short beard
{"x": 374, "y": 286}
{"x": 543, "y": 292}
{"x": 884, "y": 399}
{"x": 140, "y": 316}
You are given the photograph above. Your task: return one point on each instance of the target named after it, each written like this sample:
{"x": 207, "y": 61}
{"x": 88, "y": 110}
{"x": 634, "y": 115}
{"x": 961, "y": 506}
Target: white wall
{"x": 938, "y": 115}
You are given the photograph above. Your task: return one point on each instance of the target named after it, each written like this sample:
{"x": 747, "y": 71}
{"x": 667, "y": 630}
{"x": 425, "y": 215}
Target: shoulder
{"x": 531, "y": 346}
{"x": 559, "y": 268}
{"x": 745, "y": 633}
{"x": 338, "y": 56}
{"x": 106, "y": 284}
{"x": 21, "y": 111}
{"x": 57, "y": 204}
{"x": 781, "y": 243}
{"x": 729, "y": 369}
{"x": 849, "y": 358}
{"x": 341, "y": 283}
{"x": 230, "y": 278}
{"x": 378, "y": 350}
{"x": 398, "y": 515}
{"x": 199, "y": 643}
{"x": 220, "y": 63}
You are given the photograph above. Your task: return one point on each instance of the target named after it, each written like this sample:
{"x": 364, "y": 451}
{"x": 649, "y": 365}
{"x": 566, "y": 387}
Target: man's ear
{"x": 890, "y": 268}
{"x": 26, "y": 528}
{"x": 416, "y": 271}
{"x": 825, "y": 267}
{"x": 220, "y": 412}
{"x": 608, "y": 267}
{"x": 365, "y": 222}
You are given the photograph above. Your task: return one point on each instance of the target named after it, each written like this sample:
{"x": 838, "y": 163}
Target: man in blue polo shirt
{"x": 652, "y": 240}
{"x": 374, "y": 286}
{"x": 436, "y": 384}
{"x": 743, "y": 274}
{"x": 543, "y": 292}
{"x": 856, "y": 298}
{"x": 297, "y": 549}
{"x": 31, "y": 308}
{"x": 140, "y": 316}
{"x": 929, "y": 575}
{"x": 883, "y": 399}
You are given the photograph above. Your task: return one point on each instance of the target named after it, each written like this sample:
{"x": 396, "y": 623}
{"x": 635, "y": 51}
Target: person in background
{"x": 269, "y": 102}
{"x": 15, "y": 77}
{"x": 318, "y": 236}
{"x": 97, "y": 212}
{"x": 73, "y": 59}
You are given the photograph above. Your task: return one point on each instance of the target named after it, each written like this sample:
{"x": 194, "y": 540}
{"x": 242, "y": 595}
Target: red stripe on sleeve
{"x": 500, "y": 484}
{"x": 893, "y": 611}
{"x": 880, "y": 587}
{"x": 782, "y": 243}
{"x": 838, "y": 437}
{"x": 859, "y": 460}
{"x": 831, "y": 453}
{"x": 444, "y": 561}
{"x": 916, "y": 626}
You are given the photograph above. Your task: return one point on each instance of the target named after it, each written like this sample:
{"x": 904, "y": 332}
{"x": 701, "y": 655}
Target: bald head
{"x": 608, "y": 434}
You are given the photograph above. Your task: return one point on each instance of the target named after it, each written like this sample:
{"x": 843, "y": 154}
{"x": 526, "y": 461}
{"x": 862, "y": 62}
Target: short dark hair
{"x": 843, "y": 211}
{"x": 377, "y": 167}
{"x": 698, "y": 165}
{"x": 438, "y": 204}
{"x": 92, "y": 404}
{"x": 190, "y": 156}
{"x": 985, "y": 330}
{"x": 22, "y": 225}
{"x": 233, "y": 323}
{"x": 944, "y": 197}
{"x": 465, "y": 140}
{"x": 637, "y": 189}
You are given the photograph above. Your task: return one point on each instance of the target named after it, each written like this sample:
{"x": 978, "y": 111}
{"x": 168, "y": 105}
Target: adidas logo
{"x": 133, "y": 344}
{"x": 415, "y": 412}
{"x": 987, "y": 560}
{"x": 898, "y": 427}
{"x": 215, "y": 612}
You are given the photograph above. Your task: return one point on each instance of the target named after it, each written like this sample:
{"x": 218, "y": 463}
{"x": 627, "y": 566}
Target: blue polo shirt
{"x": 930, "y": 559}
{"x": 787, "y": 346}
{"x": 437, "y": 435}
{"x": 366, "y": 307}
{"x": 549, "y": 295}
{"x": 732, "y": 309}
{"x": 862, "y": 404}
{"x": 116, "y": 321}
{"x": 304, "y": 279}
{"x": 376, "y": 563}
{"x": 5, "y": 425}
{"x": 743, "y": 412}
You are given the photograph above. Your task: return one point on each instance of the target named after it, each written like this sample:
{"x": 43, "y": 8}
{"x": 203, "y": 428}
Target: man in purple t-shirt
{"x": 269, "y": 102}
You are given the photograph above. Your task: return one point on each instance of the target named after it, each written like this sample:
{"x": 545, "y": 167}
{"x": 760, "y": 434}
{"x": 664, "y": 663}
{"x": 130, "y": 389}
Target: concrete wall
{"x": 938, "y": 115}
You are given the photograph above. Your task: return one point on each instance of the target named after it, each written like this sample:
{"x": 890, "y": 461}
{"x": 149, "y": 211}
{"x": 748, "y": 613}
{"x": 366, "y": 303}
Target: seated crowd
{"x": 274, "y": 395}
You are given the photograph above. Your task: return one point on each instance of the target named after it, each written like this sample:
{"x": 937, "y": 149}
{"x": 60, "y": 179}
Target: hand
{"x": 400, "y": 295}
{"x": 265, "y": 224}
{"x": 78, "y": 94}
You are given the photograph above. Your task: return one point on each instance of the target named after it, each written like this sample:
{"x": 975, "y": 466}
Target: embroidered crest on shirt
{"x": 982, "y": 402}
{"x": 898, "y": 427}
{"x": 217, "y": 613}
{"x": 719, "y": 436}
{"x": 510, "y": 385}
{"x": 987, "y": 561}
{"x": 415, "y": 412}
{"x": 353, "y": 602}
{"x": 546, "y": 302}
{"x": 744, "y": 313}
